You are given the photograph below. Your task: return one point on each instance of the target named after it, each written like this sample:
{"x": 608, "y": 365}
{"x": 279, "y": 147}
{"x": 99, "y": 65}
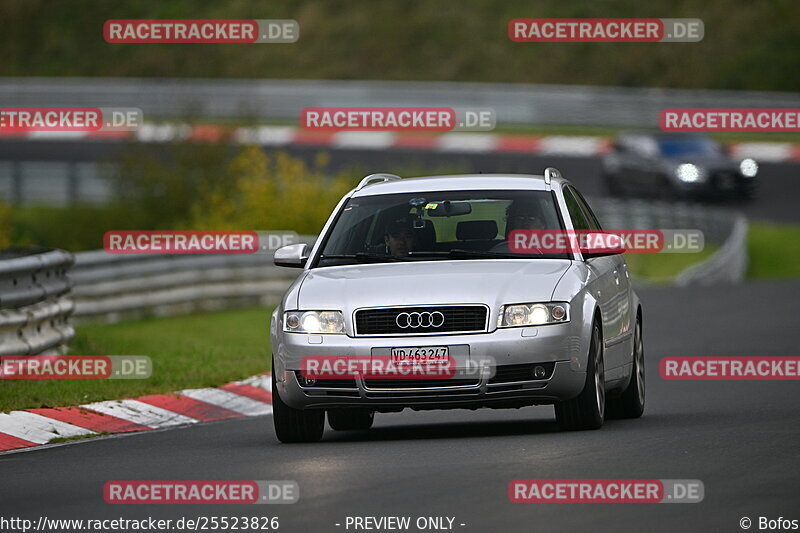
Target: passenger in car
{"x": 520, "y": 217}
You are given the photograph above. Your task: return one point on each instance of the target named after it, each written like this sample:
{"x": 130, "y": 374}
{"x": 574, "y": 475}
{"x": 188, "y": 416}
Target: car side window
{"x": 579, "y": 221}
{"x": 594, "y": 224}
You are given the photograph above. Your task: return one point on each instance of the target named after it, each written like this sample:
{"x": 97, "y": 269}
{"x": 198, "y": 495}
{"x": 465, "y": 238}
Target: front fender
{"x": 573, "y": 287}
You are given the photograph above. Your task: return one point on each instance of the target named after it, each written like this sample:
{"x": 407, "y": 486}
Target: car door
{"x": 618, "y": 343}
{"x": 601, "y": 282}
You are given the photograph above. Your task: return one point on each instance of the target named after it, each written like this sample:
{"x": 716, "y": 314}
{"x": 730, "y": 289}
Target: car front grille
{"x": 421, "y": 320}
{"x": 418, "y": 383}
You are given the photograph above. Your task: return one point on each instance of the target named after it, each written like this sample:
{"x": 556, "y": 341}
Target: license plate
{"x": 420, "y": 353}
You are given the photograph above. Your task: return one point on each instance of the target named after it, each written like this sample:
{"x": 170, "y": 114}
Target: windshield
{"x": 433, "y": 226}
{"x": 688, "y": 147}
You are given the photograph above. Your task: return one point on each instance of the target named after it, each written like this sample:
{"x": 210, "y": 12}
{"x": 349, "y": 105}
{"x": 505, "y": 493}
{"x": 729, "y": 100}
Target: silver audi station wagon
{"x": 423, "y": 265}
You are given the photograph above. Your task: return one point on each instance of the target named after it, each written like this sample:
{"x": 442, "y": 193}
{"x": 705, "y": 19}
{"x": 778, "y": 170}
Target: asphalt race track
{"x": 739, "y": 438}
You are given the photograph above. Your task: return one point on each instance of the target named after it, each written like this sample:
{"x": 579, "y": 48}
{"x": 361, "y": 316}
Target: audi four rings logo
{"x": 426, "y": 319}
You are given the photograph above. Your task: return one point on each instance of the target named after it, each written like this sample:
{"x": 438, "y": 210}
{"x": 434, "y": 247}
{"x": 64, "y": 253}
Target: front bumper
{"x": 559, "y": 347}
{"x": 718, "y": 183}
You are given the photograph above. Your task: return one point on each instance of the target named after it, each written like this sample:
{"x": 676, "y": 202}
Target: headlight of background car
{"x": 313, "y": 322}
{"x": 535, "y": 314}
{"x": 748, "y": 168}
{"x": 689, "y": 173}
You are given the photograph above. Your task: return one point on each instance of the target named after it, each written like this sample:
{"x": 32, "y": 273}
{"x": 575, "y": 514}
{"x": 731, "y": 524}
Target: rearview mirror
{"x": 448, "y": 209}
{"x": 294, "y": 256}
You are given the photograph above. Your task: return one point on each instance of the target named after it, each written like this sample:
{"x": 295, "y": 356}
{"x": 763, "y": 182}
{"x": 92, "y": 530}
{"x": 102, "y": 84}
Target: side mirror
{"x": 294, "y": 256}
{"x": 601, "y": 244}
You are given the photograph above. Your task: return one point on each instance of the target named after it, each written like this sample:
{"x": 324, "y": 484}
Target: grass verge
{"x": 774, "y": 251}
{"x": 659, "y": 269}
{"x": 188, "y": 351}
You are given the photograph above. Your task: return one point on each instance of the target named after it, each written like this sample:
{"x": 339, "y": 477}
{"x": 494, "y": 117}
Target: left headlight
{"x": 533, "y": 314}
{"x": 690, "y": 173}
{"x": 313, "y": 322}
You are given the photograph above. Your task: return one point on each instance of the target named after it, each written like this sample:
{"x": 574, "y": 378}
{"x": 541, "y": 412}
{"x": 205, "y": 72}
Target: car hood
{"x": 492, "y": 282}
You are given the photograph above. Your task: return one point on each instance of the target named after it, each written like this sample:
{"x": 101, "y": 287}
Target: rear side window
{"x": 579, "y": 221}
{"x": 594, "y": 224}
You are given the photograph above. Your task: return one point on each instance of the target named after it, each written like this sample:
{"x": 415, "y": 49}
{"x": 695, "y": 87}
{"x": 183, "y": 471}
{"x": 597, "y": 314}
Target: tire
{"x": 295, "y": 425}
{"x": 587, "y": 410}
{"x": 352, "y": 419}
{"x": 630, "y": 404}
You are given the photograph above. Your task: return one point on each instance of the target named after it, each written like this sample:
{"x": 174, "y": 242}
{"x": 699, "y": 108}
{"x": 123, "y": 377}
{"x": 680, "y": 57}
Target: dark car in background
{"x": 688, "y": 166}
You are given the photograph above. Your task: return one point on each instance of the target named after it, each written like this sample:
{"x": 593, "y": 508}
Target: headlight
{"x": 749, "y": 168}
{"x": 689, "y": 173}
{"x": 535, "y": 314}
{"x": 313, "y": 322}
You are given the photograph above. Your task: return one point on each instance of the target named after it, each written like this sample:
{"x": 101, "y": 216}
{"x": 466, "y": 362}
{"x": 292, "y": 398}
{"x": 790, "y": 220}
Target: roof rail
{"x": 549, "y": 174}
{"x": 372, "y": 178}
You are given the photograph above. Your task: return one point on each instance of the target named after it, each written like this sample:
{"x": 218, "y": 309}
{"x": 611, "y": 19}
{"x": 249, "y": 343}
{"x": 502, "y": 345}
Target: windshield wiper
{"x": 462, "y": 253}
{"x": 362, "y": 257}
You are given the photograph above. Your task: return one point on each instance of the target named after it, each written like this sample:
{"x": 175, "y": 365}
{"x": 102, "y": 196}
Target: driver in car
{"x": 399, "y": 237}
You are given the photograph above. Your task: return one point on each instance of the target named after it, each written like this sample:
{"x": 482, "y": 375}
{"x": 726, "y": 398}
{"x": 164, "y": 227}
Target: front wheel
{"x": 295, "y": 425}
{"x": 587, "y": 410}
{"x": 630, "y": 404}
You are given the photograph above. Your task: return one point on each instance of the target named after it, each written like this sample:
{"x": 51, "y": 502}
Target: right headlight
{"x": 532, "y": 314}
{"x": 313, "y": 322}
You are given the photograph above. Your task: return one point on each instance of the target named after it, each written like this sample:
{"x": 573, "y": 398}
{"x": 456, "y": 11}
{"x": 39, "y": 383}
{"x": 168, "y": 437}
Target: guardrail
{"x": 34, "y": 303}
{"x": 727, "y": 265}
{"x": 284, "y": 99}
{"x": 721, "y": 227}
{"x": 119, "y": 287}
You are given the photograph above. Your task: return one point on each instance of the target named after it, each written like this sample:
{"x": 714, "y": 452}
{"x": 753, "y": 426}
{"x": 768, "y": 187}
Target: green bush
{"x": 774, "y": 251}
{"x": 189, "y": 186}
{"x": 263, "y": 192}
{"x": 5, "y": 226}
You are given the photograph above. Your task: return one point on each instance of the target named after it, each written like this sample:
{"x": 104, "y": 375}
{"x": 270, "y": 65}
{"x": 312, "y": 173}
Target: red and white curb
{"x": 449, "y": 142}
{"x": 36, "y": 427}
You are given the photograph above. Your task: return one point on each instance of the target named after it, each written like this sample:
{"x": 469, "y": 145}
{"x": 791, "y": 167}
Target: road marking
{"x": 140, "y": 413}
{"x": 37, "y": 428}
{"x": 230, "y": 400}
